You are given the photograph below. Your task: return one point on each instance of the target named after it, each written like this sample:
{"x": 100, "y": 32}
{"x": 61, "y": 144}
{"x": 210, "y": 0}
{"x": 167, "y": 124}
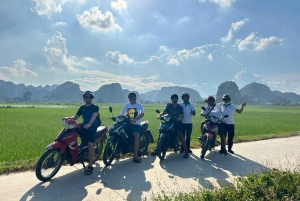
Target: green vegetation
{"x": 270, "y": 185}
{"x": 26, "y": 131}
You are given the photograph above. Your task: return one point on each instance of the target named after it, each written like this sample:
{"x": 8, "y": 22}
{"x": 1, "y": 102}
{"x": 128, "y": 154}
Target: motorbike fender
{"x": 57, "y": 145}
{"x": 209, "y": 135}
{"x": 149, "y": 136}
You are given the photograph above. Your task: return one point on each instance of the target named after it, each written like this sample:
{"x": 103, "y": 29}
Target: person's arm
{"x": 193, "y": 111}
{"x": 94, "y": 116}
{"x": 139, "y": 116}
{"x": 164, "y": 112}
{"x": 180, "y": 113}
{"x": 242, "y": 108}
{"x": 75, "y": 117}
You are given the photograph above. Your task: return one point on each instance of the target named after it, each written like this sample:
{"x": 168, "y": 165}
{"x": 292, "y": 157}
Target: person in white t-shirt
{"x": 227, "y": 109}
{"x": 136, "y": 112}
{"x": 187, "y": 122}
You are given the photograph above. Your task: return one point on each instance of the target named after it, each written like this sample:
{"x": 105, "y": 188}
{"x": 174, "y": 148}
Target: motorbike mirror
{"x": 110, "y": 109}
{"x": 157, "y": 111}
{"x": 203, "y": 108}
{"x": 226, "y": 116}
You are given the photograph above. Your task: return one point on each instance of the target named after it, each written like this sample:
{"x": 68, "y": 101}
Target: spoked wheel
{"x": 49, "y": 164}
{"x": 143, "y": 149}
{"x": 110, "y": 152}
{"x": 162, "y": 148}
{"x": 205, "y": 145}
{"x": 98, "y": 147}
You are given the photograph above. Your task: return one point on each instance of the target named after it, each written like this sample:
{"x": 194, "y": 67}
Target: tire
{"x": 98, "y": 147}
{"x": 144, "y": 150}
{"x": 109, "y": 152}
{"x": 162, "y": 148}
{"x": 205, "y": 145}
{"x": 49, "y": 164}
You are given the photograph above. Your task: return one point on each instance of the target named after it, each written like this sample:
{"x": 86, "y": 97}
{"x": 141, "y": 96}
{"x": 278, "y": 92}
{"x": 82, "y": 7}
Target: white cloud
{"x": 239, "y": 74}
{"x": 119, "y": 5}
{"x": 94, "y": 19}
{"x": 254, "y": 43}
{"x": 183, "y": 20}
{"x": 220, "y": 2}
{"x": 173, "y": 61}
{"x": 18, "y": 70}
{"x": 255, "y": 74}
{"x": 234, "y": 27}
{"x": 47, "y": 7}
{"x": 118, "y": 58}
{"x": 60, "y": 24}
{"x": 210, "y": 57}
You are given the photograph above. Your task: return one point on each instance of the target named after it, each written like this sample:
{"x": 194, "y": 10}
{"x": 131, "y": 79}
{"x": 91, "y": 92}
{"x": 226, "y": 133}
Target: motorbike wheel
{"x": 49, "y": 164}
{"x": 98, "y": 147}
{"x": 162, "y": 148}
{"x": 143, "y": 141}
{"x": 109, "y": 152}
{"x": 205, "y": 145}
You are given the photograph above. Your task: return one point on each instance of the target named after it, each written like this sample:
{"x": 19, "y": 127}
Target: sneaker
{"x": 186, "y": 155}
{"x": 230, "y": 151}
{"x": 223, "y": 151}
{"x": 137, "y": 159}
{"x": 190, "y": 151}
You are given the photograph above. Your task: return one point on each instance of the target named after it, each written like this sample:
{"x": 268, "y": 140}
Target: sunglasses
{"x": 88, "y": 97}
{"x": 131, "y": 96}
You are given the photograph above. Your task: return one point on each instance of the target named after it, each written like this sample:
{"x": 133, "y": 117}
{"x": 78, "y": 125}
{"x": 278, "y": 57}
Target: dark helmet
{"x": 226, "y": 96}
{"x": 132, "y": 94}
{"x": 185, "y": 94}
{"x": 211, "y": 98}
{"x": 88, "y": 93}
{"x": 174, "y": 96}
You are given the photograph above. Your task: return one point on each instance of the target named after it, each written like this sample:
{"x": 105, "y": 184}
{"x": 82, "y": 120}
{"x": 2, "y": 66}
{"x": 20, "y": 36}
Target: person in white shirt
{"x": 136, "y": 112}
{"x": 227, "y": 109}
{"x": 214, "y": 110}
{"x": 187, "y": 123}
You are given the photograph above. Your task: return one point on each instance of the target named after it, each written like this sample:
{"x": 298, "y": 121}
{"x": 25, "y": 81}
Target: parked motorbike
{"x": 168, "y": 138}
{"x": 65, "y": 148}
{"x": 209, "y": 134}
{"x": 121, "y": 140}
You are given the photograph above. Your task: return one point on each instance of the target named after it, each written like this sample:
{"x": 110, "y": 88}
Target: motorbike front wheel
{"x": 98, "y": 147}
{"x": 49, "y": 164}
{"x": 162, "y": 148}
{"x": 205, "y": 145}
{"x": 109, "y": 152}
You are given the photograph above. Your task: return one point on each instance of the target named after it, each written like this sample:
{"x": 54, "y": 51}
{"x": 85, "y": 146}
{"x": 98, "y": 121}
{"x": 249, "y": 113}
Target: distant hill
{"x": 165, "y": 94}
{"x": 149, "y": 96}
{"x": 110, "y": 93}
{"x": 291, "y": 97}
{"x": 256, "y": 93}
{"x": 231, "y": 89}
{"x": 67, "y": 91}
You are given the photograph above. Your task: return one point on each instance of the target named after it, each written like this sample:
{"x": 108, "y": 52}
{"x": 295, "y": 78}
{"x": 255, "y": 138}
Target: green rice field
{"x": 25, "y": 131}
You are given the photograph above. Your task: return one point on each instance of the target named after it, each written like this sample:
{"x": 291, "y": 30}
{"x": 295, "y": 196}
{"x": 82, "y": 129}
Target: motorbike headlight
{"x": 214, "y": 120}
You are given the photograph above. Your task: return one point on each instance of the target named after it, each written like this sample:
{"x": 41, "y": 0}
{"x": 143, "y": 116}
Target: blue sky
{"x": 147, "y": 44}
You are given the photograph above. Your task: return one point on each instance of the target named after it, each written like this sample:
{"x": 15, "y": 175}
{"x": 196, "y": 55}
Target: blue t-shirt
{"x": 87, "y": 113}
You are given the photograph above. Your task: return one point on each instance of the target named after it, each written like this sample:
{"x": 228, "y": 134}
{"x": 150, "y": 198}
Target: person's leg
{"x": 188, "y": 128}
{"x": 201, "y": 129}
{"x": 91, "y": 152}
{"x": 136, "y": 133}
{"x": 184, "y": 132}
{"x": 222, "y": 133}
{"x": 230, "y": 137}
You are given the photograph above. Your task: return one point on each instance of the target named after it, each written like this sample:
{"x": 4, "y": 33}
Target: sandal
{"x": 89, "y": 170}
{"x": 155, "y": 152}
{"x": 137, "y": 159}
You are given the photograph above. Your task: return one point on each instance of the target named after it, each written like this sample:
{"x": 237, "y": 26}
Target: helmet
{"x": 89, "y": 93}
{"x": 132, "y": 94}
{"x": 211, "y": 98}
{"x": 185, "y": 94}
{"x": 174, "y": 96}
{"x": 226, "y": 96}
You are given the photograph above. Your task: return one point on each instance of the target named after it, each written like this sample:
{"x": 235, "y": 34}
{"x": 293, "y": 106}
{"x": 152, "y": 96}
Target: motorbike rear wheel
{"x": 109, "y": 152}
{"x": 162, "y": 148}
{"x": 98, "y": 147}
{"x": 49, "y": 164}
{"x": 205, "y": 145}
{"x": 143, "y": 141}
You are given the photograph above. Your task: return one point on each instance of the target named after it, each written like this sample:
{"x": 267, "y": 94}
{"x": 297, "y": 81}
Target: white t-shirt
{"x": 131, "y": 109}
{"x": 215, "y": 111}
{"x": 228, "y": 110}
{"x": 187, "y": 113}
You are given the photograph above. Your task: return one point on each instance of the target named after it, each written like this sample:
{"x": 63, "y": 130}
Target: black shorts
{"x": 178, "y": 127}
{"x": 86, "y": 135}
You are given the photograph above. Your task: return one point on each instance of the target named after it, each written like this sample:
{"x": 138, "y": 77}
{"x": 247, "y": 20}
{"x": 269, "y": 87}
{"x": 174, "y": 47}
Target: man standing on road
{"x": 227, "y": 109}
{"x": 91, "y": 121}
{"x": 136, "y": 112}
{"x": 187, "y": 122}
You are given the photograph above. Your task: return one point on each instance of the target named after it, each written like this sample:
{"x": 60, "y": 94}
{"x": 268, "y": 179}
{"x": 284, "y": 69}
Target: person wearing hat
{"x": 187, "y": 122}
{"x": 227, "y": 109}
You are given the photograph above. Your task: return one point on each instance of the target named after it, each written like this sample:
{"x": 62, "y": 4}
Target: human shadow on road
{"x": 214, "y": 169}
{"x": 129, "y": 176}
{"x": 70, "y": 186}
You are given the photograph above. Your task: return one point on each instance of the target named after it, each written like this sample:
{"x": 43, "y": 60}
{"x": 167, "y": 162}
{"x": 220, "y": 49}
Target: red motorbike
{"x": 65, "y": 148}
{"x": 209, "y": 134}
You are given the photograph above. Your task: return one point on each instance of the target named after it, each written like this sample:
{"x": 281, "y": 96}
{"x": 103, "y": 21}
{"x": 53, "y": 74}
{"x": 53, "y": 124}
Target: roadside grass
{"x": 272, "y": 184}
{"x": 26, "y": 131}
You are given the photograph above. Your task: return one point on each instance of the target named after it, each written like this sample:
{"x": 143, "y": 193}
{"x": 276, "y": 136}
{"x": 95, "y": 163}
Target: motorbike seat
{"x": 144, "y": 123}
{"x": 100, "y": 130}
